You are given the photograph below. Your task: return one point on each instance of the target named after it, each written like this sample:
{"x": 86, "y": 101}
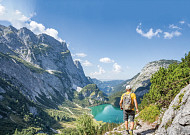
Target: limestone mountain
{"x": 37, "y": 74}
{"x": 176, "y": 119}
{"x": 40, "y": 63}
{"x": 141, "y": 82}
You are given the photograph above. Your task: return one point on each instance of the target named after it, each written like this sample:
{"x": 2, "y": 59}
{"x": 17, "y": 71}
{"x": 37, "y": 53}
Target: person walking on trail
{"x": 127, "y": 102}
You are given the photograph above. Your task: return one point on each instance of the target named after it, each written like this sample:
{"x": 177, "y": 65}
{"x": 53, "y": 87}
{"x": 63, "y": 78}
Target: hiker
{"x": 127, "y": 102}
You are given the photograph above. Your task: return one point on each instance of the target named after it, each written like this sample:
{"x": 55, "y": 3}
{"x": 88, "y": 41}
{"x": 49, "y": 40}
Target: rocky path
{"x": 142, "y": 128}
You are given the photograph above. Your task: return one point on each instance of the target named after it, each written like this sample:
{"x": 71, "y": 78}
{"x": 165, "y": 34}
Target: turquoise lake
{"x": 107, "y": 113}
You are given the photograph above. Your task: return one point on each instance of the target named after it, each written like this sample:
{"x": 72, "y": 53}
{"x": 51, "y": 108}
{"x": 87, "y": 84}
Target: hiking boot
{"x": 127, "y": 132}
{"x": 131, "y": 132}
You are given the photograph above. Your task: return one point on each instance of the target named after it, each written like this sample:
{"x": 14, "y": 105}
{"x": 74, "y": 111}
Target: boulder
{"x": 176, "y": 119}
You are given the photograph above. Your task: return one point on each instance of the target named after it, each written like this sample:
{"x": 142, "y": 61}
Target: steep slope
{"x": 38, "y": 82}
{"x": 166, "y": 105}
{"x": 16, "y": 111}
{"x": 141, "y": 82}
{"x": 43, "y": 65}
{"x": 106, "y": 86}
{"x": 176, "y": 119}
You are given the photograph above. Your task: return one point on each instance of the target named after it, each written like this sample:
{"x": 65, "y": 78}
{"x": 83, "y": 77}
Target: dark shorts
{"x": 128, "y": 114}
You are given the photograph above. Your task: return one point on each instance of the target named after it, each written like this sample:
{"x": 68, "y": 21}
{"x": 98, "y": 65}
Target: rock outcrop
{"x": 143, "y": 79}
{"x": 39, "y": 65}
{"x": 176, "y": 119}
{"x": 37, "y": 76}
{"x": 141, "y": 84}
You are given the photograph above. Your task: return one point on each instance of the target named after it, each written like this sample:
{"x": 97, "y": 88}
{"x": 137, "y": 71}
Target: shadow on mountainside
{"x": 149, "y": 131}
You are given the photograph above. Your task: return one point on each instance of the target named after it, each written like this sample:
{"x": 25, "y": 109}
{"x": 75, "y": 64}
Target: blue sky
{"x": 113, "y": 39}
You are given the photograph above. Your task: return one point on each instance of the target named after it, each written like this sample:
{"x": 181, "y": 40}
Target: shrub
{"x": 85, "y": 125}
{"x": 150, "y": 113}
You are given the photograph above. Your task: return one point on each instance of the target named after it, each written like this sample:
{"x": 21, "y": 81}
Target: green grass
{"x": 181, "y": 97}
{"x": 168, "y": 124}
{"x": 17, "y": 115}
{"x": 41, "y": 48}
{"x": 65, "y": 54}
{"x": 150, "y": 113}
{"x": 28, "y": 65}
{"x": 178, "y": 105}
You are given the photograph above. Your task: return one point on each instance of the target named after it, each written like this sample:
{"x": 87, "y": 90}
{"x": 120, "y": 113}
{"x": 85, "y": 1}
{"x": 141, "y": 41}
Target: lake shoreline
{"x": 107, "y": 113}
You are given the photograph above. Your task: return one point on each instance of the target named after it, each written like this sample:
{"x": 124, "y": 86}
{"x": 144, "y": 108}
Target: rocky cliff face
{"x": 143, "y": 79}
{"x": 176, "y": 119}
{"x": 39, "y": 65}
{"x": 141, "y": 84}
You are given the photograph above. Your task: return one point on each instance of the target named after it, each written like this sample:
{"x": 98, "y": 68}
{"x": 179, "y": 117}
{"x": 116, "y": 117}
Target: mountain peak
{"x": 12, "y": 28}
{"x": 26, "y": 30}
{"x": 78, "y": 64}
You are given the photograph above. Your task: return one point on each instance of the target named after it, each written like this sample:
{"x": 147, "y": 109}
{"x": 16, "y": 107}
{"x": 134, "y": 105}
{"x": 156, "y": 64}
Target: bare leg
{"x": 132, "y": 125}
{"x": 126, "y": 125}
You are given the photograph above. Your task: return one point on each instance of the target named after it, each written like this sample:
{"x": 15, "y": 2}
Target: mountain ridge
{"x": 140, "y": 82}
{"x": 45, "y": 53}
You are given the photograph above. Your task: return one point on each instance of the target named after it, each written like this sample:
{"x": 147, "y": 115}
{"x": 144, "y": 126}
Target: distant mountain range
{"x": 106, "y": 86}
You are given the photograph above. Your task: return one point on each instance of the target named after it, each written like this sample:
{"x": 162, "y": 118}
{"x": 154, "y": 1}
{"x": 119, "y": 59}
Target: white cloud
{"x": 80, "y": 55}
{"x": 19, "y": 20}
{"x": 172, "y": 26}
{"x": 86, "y": 63}
{"x": 149, "y": 34}
{"x": 2, "y": 10}
{"x": 54, "y": 33}
{"x": 16, "y": 18}
{"x": 21, "y": 17}
{"x": 37, "y": 28}
{"x": 168, "y": 35}
{"x": 99, "y": 72}
{"x": 117, "y": 68}
{"x": 106, "y": 60}
{"x": 77, "y": 60}
{"x": 181, "y": 22}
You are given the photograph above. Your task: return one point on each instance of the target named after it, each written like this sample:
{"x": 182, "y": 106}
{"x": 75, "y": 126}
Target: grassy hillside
{"x": 90, "y": 95}
{"x": 21, "y": 116}
{"x": 16, "y": 111}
